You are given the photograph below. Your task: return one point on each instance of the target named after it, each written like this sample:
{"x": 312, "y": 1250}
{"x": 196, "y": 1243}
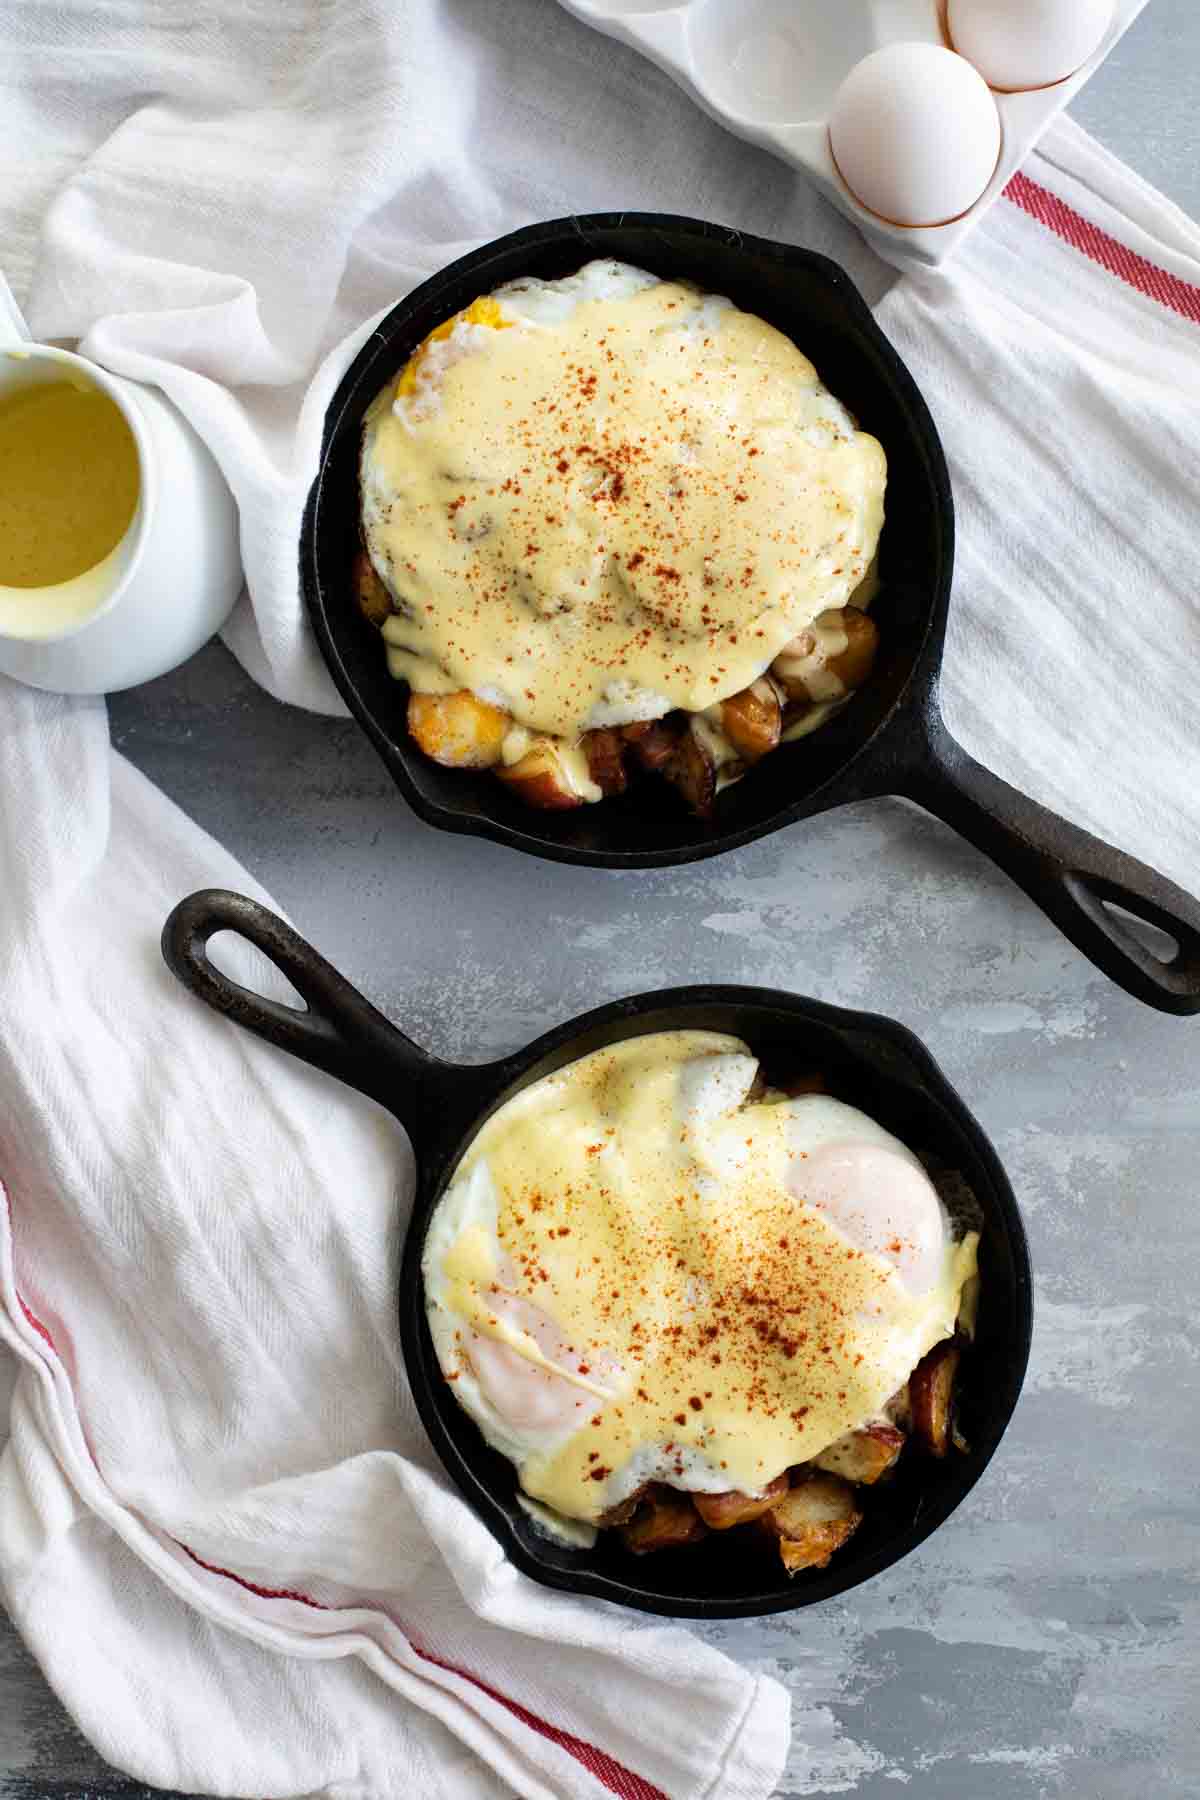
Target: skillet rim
{"x": 848, "y": 779}
{"x": 435, "y": 1403}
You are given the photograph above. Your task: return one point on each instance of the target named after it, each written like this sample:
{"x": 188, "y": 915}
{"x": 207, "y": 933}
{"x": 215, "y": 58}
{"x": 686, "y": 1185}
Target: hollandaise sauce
{"x": 68, "y": 482}
{"x": 597, "y": 499}
{"x": 632, "y": 1228}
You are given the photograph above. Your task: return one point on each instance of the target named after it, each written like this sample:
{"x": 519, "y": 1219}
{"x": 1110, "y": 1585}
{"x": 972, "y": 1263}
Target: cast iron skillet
{"x": 890, "y": 740}
{"x": 441, "y": 1105}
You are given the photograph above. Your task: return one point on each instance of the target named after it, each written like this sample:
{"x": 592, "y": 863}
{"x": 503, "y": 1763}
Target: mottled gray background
{"x": 1045, "y": 1642}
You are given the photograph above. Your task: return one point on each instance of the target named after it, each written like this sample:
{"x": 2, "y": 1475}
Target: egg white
{"x": 905, "y": 1221}
{"x": 473, "y": 1202}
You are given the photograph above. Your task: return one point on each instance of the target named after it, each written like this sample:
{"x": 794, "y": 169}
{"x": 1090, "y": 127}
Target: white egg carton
{"x": 769, "y": 69}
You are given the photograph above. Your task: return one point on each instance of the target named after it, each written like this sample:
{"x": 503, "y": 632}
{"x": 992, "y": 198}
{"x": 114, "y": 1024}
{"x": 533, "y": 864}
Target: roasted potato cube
{"x": 808, "y": 670}
{"x": 605, "y": 752}
{"x": 931, "y": 1396}
{"x": 623, "y": 1511}
{"x": 899, "y": 1409}
{"x": 653, "y": 741}
{"x": 720, "y": 1511}
{"x": 458, "y": 730}
{"x": 853, "y": 664}
{"x": 812, "y": 1521}
{"x": 664, "y": 1521}
{"x": 753, "y": 720}
{"x": 692, "y": 769}
{"x": 798, "y": 665}
{"x": 542, "y": 778}
{"x": 373, "y": 600}
{"x": 863, "y": 1456}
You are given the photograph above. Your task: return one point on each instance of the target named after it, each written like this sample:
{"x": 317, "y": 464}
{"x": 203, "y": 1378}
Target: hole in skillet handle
{"x": 235, "y": 957}
{"x": 338, "y": 1030}
{"x": 1148, "y": 934}
{"x": 1159, "y": 943}
{"x": 1091, "y": 890}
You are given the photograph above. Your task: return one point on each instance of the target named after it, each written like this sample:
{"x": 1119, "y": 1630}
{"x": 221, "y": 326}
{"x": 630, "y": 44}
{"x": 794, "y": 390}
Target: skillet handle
{"x": 1074, "y": 877}
{"x": 339, "y": 1032}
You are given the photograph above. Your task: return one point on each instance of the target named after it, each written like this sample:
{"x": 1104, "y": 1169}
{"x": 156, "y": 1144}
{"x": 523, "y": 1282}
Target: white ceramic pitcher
{"x": 168, "y": 584}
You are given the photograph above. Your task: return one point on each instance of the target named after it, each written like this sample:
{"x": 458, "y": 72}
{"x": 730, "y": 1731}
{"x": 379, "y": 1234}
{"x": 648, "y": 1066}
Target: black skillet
{"x": 890, "y": 740}
{"x": 867, "y": 1060}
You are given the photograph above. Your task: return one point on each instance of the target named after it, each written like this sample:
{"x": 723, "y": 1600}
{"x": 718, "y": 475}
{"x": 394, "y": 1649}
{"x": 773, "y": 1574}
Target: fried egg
{"x": 647, "y": 1267}
{"x": 598, "y": 499}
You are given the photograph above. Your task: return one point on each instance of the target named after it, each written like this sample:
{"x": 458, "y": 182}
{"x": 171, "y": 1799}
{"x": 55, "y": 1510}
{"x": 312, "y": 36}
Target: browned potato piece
{"x": 458, "y": 730}
{"x": 605, "y": 752}
{"x": 541, "y": 778}
{"x": 853, "y": 664}
{"x": 374, "y": 601}
{"x": 653, "y": 741}
{"x": 863, "y": 1456}
{"x": 812, "y": 1521}
{"x": 691, "y": 769}
{"x": 792, "y": 668}
{"x": 931, "y": 1396}
{"x": 664, "y": 1522}
{"x": 720, "y": 1511}
{"x": 753, "y": 720}
{"x": 848, "y": 666}
{"x": 623, "y": 1511}
{"x": 899, "y": 1409}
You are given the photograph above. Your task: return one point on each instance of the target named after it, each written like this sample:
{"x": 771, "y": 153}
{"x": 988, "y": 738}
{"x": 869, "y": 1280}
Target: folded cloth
{"x": 244, "y": 190}
{"x": 214, "y": 1468}
{"x": 245, "y": 197}
{"x": 222, "y": 1530}
{"x": 1060, "y": 355}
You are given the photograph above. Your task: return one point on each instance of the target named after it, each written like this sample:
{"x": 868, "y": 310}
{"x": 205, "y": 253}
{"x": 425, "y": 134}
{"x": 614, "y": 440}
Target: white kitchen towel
{"x": 214, "y": 1469}
{"x": 222, "y": 1529}
{"x": 232, "y": 199}
{"x": 228, "y": 194}
{"x": 1060, "y": 356}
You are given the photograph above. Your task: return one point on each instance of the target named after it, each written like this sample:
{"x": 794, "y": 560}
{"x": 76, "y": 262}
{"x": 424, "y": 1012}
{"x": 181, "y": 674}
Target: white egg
{"x": 710, "y": 1086}
{"x": 915, "y": 134}
{"x": 1020, "y": 44}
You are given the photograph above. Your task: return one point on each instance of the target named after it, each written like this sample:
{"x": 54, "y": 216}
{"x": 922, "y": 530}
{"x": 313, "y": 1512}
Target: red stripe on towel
{"x": 1178, "y": 296}
{"x": 252, "y": 1587}
{"x": 37, "y": 1325}
{"x": 610, "y": 1773}
{"x": 605, "y": 1768}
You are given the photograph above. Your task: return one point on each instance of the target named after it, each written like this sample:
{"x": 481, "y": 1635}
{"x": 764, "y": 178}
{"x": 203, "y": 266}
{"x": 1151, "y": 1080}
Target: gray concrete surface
{"x": 1045, "y": 1642}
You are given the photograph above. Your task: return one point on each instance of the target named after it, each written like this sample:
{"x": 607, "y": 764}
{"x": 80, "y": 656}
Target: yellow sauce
{"x": 747, "y": 1328}
{"x": 68, "y": 482}
{"x": 650, "y": 496}
{"x": 829, "y": 641}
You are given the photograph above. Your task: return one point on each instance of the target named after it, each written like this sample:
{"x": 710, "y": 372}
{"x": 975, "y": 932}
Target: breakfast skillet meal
{"x": 612, "y": 523}
{"x": 681, "y": 1300}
